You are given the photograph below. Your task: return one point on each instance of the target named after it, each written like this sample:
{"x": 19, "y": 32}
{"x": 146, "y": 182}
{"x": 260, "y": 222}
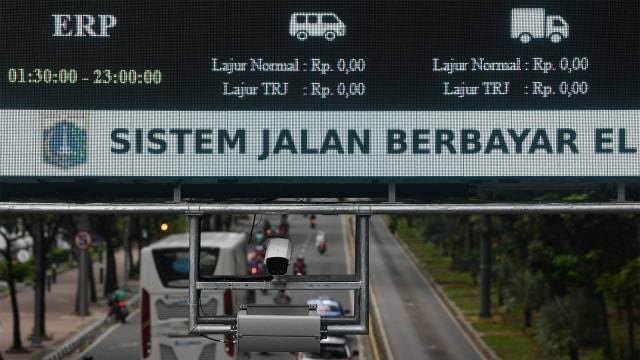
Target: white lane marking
{"x": 381, "y": 329}
{"x": 303, "y": 251}
{"x": 105, "y": 335}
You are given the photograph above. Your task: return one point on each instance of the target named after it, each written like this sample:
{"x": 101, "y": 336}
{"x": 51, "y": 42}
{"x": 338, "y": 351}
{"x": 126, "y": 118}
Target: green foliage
{"x": 538, "y": 259}
{"x": 623, "y": 284}
{"x": 524, "y": 290}
{"x": 21, "y": 271}
{"x": 58, "y": 256}
{"x": 568, "y": 323}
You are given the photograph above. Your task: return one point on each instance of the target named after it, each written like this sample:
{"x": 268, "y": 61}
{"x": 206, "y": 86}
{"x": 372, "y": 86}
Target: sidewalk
{"x": 61, "y": 322}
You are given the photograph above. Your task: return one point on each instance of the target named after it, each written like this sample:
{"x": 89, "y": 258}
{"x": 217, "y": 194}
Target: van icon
{"x": 327, "y": 25}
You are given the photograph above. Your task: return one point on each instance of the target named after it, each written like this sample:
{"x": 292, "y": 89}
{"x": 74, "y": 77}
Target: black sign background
{"x": 398, "y": 40}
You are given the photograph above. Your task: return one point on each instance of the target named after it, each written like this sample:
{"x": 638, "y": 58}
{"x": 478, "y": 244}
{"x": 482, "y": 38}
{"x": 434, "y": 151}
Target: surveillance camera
{"x": 278, "y": 255}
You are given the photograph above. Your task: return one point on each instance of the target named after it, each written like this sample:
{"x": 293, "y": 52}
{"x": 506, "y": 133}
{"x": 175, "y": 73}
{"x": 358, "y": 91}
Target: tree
{"x": 568, "y": 323}
{"x": 44, "y": 230}
{"x": 106, "y": 227}
{"x": 525, "y": 290}
{"x": 624, "y": 288}
{"x": 10, "y": 232}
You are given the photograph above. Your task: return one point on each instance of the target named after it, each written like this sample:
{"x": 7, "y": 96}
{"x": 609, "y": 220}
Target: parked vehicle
{"x": 164, "y": 279}
{"x": 533, "y": 23}
{"x": 326, "y": 25}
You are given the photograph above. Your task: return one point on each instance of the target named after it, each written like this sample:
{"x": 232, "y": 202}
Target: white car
{"x": 326, "y": 25}
{"x": 333, "y": 347}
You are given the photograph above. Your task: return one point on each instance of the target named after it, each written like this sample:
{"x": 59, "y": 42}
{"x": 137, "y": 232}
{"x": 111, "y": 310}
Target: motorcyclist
{"x": 256, "y": 267}
{"x": 299, "y": 266}
{"x": 117, "y": 305}
{"x": 283, "y": 228}
{"x": 321, "y": 242}
{"x": 282, "y": 298}
{"x": 259, "y": 254}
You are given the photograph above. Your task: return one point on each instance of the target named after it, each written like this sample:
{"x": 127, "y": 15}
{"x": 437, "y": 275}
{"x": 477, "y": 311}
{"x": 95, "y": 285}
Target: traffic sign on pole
{"x": 82, "y": 240}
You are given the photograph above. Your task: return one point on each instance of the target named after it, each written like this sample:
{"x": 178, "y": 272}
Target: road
{"x": 416, "y": 324}
{"x": 122, "y": 342}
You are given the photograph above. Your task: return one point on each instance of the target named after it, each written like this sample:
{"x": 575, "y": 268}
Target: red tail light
{"x": 145, "y": 321}
{"x": 228, "y": 310}
{"x": 122, "y": 304}
{"x": 254, "y": 271}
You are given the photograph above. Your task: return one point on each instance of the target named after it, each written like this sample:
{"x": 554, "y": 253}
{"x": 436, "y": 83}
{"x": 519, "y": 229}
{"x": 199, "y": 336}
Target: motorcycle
{"x": 322, "y": 248}
{"x": 118, "y": 306}
{"x": 321, "y": 243}
{"x": 299, "y": 267}
{"x": 282, "y": 298}
{"x": 283, "y": 230}
{"x": 313, "y": 221}
{"x": 257, "y": 268}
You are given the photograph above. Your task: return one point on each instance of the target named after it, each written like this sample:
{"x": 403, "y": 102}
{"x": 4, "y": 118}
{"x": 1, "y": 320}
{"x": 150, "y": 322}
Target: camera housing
{"x": 278, "y": 255}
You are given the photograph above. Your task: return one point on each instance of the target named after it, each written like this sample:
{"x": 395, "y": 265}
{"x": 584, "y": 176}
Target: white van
{"x": 164, "y": 281}
{"x": 328, "y": 25}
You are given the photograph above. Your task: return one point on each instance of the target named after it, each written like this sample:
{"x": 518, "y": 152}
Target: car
{"x": 327, "y": 25}
{"x": 331, "y": 348}
{"x": 327, "y": 306}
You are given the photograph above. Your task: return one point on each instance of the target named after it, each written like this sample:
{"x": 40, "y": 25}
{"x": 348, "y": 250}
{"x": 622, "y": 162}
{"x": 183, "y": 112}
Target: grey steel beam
{"x": 194, "y": 268}
{"x": 213, "y": 329}
{"x": 252, "y": 285}
{"x": 327, "y": 209}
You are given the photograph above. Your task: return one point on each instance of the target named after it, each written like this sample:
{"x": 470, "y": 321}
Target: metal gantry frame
{"x": 226, "y": 325}
{"x": 359, "y": 282}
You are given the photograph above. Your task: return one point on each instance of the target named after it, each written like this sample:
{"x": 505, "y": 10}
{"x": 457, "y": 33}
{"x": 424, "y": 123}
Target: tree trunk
{"x": 39, "y": 250}
{"x": 631, "y": 330}
{"x": 92, "y": 282}
{"x": 485, "y": 269}
{"x": 218, "y": 223}
{"x": 573, "y": 353}
{"x": 15, "y": 311}
{"x": 607, "y": 349}
{"x": 528, "y": 314}
{"x": 111, "y": 279}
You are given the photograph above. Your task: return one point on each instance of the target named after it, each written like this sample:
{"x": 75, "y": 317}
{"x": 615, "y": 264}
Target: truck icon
{"x": 326, "y": 25}
{"x": 533, "y": 23}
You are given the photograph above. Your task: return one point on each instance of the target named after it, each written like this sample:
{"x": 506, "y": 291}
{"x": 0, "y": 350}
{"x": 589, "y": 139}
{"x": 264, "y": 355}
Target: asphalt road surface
{"x": 122, "y": 341}
{"x": 414, "y": 322}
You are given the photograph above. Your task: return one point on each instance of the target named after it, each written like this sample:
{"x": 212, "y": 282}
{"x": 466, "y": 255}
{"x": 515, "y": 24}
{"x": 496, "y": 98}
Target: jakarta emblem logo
{"x": 64, "y": 144}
